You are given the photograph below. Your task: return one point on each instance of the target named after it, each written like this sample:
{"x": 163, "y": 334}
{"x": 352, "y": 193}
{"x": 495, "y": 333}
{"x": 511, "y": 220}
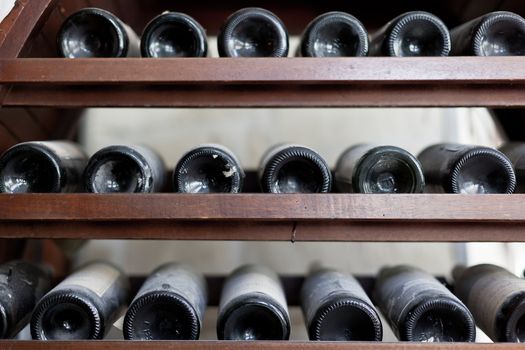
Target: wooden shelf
{"x": 232, "y": 345}
{"x": 265, "y": 82}
{"x": 320, "y": 217}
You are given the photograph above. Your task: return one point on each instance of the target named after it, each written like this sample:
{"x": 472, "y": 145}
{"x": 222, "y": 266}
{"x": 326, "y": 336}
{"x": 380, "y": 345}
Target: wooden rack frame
{"x": 26, "y": 81}
{"x": 263, "y": 217}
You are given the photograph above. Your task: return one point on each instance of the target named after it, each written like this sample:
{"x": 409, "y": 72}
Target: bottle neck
{"x": 335, "y": 34}
{"x": 208, "y": 170}
{"x": 174, "y": 35}
{"x": 31, "y": 168}
{"x": 295, "y": 170}
{"x": 93, "y": 32}
{"x": 439, "y": 320}
{"x": 499, "y": 34}
{"x": 241, "y": 35}
{"x": 417, "y": 34}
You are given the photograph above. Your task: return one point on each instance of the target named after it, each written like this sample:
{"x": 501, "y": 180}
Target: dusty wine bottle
{"x": 174, "y": 34}
{"x": 253, "y": 32}
{"x": 515, "y": 151}
{"x": 253, "y": 306}
{"x": 499, "y": 33}
{"x": 83, "y": 306}
{"x": 453, "y": 168}
{"x": 208, "y": 169}
{"x": 419, "y": 308}
{"x": 22, "y": 284}
{"x": 42, "y": 167}
{"x": 170, "y": 305}
{"x": 336, "y": 308}
{"x": 125, "y": 168}
{"x": 334, "y": 34}
{"x": 94, "y": 32}
{"x": 294, "y": 169}
{"x": 414, "y": 33}
{"x": 496, "y": 297}
{"x": 378, "y": 169}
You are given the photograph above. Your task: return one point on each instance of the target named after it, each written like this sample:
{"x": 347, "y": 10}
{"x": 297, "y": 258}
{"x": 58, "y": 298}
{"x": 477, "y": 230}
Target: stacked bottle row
{"x": 172, "y": 301}
{"x": 256, "y": 32}
{"x": 59, "y": 166}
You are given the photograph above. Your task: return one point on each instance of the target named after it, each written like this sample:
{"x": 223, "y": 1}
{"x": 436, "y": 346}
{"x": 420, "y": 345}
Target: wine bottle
{"x": 94, "y": 32}
{"x": 334, "y": 34}
{"x": 419, "y": 308}
{"x": 83, "y": 306}
{"x": 169, "y": 305}
{"x": 336, "y": 308}
{"x": 496, "y": 297}
{"x": 378, "y": 169}
{"x": 454, "y": 168}
{"x": 414, "y": 33}
{"x": 122, "y": 168}
{"x": 208, "y": 169}
{"x": 174, "y": 34}
{"x": 253, "y": 32}
{"x": 294, "y": 169}
{"x": 498, "y": 33}
{"x": 253, "y": 306}
{"x": 42, "y": 167}
{"x": 22, "y": 284}
{"x": 515, "y": 151}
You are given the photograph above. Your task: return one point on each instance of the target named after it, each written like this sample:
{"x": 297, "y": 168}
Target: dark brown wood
{"x": 260, "y": 217}
{"x": 21, "y": 23}
{"x": 238, "y": 345}
{"x": 287, "y": 231}
{"x": 17, "y": 28}
{"x": 266, "y": 82}
{"x": 270, "y": 96}
{"x": 29, "y": 124}
{"x": 262, "y": 207}
{"x": 236, "y": 71}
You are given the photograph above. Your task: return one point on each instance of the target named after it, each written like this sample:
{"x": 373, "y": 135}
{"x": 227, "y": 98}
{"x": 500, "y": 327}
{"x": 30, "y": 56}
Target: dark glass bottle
{"x": 170, "y": 305}
{"x": 336, "y": 308}
{"x": 334, "y": 34}
{"x": 253, "y": 306}
{"x": 93, "y": 32}
{"x": 42, "y": 167}
{"x": 515, "y": 151}
{"x": 419, "y": 308}
{"x": 174, "y": 34}
{"x": 22, "y": 284}
{"x": 414, "y": 33}
{"x": 125, "y": 169}
{"x": 294, "y": 169}
{"x": 496, "y": 297}
{"x": 495, "y": 34}
{"x": 83, "y": 306}
{"x": 378, "y": 169}
{"x": 208, "y": 169}
{"x": 253, "y": 32}
{"x": 453, "y": 168}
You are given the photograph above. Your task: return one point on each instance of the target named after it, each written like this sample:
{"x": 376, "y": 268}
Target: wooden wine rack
{"x": 35, "y": 88}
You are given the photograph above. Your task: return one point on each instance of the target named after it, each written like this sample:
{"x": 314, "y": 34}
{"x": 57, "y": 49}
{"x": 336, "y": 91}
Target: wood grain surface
{"x": 262, "y": 207}
{"x": 261, "y": 217}
{"x": 238, "y": 71}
